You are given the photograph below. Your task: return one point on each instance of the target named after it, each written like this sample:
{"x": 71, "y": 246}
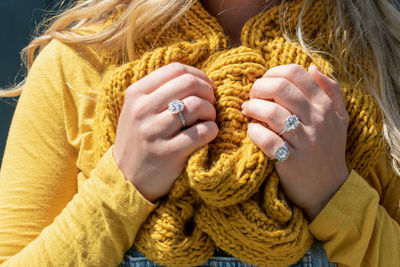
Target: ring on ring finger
{"x": 177, "y": 106}
{"x": 195, "y": 110}
{"x": 282, "y": 153}
{"x": 291, "y": 123}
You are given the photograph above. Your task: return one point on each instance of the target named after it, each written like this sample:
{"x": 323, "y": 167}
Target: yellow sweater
{"x": 59, "y": 207}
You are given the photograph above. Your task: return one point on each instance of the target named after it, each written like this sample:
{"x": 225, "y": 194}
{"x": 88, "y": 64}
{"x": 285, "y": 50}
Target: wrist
{"x": 140, "y": 188}
{"x": 312, "y": 213}
{"x": 315, "y": 208}
{"x": 147, "y": 194}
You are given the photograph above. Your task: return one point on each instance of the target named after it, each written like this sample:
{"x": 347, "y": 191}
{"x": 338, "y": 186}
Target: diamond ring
{"x": 177, "y": 106}
{"x": 291, "y": 123}
{"x": 282, "y": 153}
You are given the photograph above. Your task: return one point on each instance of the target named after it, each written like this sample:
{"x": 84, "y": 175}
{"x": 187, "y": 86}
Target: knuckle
{"x": 282, "y": 84}
{"x": 294, "y": 69}
{"x": 206, "y": 131}
{"x": 157, "y": 151}
{"x": 195, "y": 103}
{"x": 138, "y": 109}
{"x": 165, "y": 149}
{"x": 131, "y": 92}
{"x": 203, "y": 76}
{"x": 328, "y": 106}
{"x": 160, "y": 149}
{"x": 266, "y": 142}
{"x": 177, "y": 68}
{"x": 202, "y": 131}
{"x": 148, "y": 132}
{"x": 275, "y": 111}
{"x": 189, "y": 81}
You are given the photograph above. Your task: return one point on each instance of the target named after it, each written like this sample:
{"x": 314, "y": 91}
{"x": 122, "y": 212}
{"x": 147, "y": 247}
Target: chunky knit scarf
{"x": 228, "y": 195}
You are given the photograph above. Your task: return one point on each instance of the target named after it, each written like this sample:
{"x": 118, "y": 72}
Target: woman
{"x": 116, "y": 146}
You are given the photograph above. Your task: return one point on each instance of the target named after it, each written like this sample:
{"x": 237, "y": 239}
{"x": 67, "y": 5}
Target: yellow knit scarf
{"x": 228, "y": 194}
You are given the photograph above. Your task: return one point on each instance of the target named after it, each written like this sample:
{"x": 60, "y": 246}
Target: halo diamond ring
{"x": 177, "y": 106}
{"x": 282, "y": 153}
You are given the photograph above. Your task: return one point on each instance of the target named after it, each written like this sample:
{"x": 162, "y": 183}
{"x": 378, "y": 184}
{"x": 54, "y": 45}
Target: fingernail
{"x": 244, "y": 105}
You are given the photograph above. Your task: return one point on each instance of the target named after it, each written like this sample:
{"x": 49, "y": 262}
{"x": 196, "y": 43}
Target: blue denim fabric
{"x": 314, "y": 257}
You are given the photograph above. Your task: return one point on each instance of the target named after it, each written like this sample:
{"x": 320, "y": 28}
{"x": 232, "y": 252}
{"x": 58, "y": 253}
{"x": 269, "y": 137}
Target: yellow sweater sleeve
{"x": 48, "y": 217}
{"x": 360, "y": 224}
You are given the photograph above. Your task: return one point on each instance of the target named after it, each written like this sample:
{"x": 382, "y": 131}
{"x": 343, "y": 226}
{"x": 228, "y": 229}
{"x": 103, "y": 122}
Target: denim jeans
{"x": 314, "y": 257}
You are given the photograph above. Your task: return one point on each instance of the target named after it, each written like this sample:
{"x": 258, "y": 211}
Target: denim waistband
{"x": 314, "y": 257}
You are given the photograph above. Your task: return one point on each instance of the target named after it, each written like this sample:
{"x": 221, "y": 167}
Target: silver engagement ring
{"x": 282, "y": 153}
{"x": 291, "y": 123}
{"x": 177, "y": 106}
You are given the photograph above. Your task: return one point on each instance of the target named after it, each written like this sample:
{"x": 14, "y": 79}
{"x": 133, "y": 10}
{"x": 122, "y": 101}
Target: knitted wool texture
{"x": 228, "y": 194}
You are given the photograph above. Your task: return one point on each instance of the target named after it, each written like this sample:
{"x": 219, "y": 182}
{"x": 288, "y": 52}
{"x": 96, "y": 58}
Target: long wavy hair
{"x": 356, "y": 28}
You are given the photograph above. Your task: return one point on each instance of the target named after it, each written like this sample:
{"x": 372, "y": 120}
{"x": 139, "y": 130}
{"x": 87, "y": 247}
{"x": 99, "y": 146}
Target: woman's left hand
{"x": 316, "y": 167}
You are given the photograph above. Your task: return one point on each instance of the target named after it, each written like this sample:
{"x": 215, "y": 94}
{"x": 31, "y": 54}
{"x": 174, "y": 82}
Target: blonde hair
{"x": 357, "y": 28}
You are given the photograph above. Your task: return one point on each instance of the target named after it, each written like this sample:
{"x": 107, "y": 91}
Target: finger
{"x": 180, "y": 88}
{"x": 331, "y": 88}
{"x": 266, "y": 111}
{"x": 191, "y": 139}
{"x": 283, "y": 92}
{"x": 301, "y": 79}
{"x": 265, "y": 139}
{"x": 165, "y": 74}
{"x": 196, "y": 109}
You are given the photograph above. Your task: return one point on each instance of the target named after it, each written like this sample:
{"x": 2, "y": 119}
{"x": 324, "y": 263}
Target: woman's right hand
{"x": 151, "y": 147}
